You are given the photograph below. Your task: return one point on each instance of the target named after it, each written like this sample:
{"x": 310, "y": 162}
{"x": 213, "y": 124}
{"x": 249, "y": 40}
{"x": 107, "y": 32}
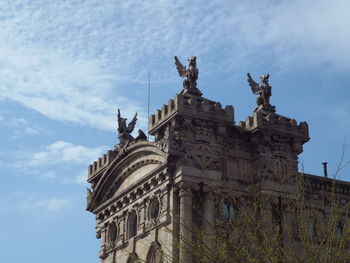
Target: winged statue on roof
{"x": 190, "y": 73}
{"x": 263, "y": 89}
{"x": 124, "y": 131}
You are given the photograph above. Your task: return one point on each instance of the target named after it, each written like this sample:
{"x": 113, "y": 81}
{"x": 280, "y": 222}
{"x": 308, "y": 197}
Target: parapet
{"x": 278, "y": 124}
{"x": 101, "y": 163}
{"x": 191, "y": 105}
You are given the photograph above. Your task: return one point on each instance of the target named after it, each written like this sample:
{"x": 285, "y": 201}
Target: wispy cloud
{"x": 28, "y": 202}
{"x": 68, "y": 59}
{"x": 79, "y": 179}
{"x": 20, "y": 126}
{"x": 62, "y": 89}
{"x": 61, "y": 152}
{"x": 61, "y": 161}
{"x": 46, "y": 204}
{"x": 50, "y": 175}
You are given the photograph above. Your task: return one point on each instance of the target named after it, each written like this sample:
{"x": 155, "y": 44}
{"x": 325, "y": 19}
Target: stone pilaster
{"x": 103, "y": 249}
{"x": 208, "y": 220}
{"x": 185, "y": 196}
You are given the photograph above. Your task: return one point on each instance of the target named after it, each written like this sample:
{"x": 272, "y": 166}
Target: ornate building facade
{"x": 142, "y": 192}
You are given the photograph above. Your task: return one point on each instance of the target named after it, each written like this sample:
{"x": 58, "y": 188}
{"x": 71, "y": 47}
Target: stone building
{"x": 143, "y": 191}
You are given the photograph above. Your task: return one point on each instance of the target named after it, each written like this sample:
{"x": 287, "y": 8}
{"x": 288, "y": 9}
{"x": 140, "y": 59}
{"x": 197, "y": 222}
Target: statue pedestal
{"x": 192, "y": 91}
{"x": 265, "y": 108}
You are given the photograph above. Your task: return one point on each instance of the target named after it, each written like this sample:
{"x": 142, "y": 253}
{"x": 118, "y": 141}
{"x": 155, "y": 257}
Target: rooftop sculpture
{"x": 191, "y": 75}
{"x": 263, "y": 89}
{"x": 124, "y": 131}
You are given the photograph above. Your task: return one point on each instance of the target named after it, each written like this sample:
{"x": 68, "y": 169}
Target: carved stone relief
{"x": 203, "y": 156}
{"x": 277, "y": 169}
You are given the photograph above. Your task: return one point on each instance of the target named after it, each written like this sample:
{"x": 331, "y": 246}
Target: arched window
{"x": 311, "y": 224}
{"x": 133, "y": 258}
{"x": 228, "y": 210}
{"x": 132, "y": 224}
{"x": 155, "y": 254}
{"x": 338, "y": 229}
{"x": 112, "y": 234}
{"x": 153, "y": 210}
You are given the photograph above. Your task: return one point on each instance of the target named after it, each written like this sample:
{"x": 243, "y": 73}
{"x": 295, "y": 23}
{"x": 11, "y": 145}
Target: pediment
{"x": 132, "y": 176}
{"x": 126, "y": 171}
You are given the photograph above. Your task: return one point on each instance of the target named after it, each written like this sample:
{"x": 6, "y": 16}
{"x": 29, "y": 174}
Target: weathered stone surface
{"x": 142, "y": 192}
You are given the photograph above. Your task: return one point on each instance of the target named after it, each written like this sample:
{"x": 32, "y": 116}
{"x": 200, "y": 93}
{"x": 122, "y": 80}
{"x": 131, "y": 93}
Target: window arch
{"x": 228, "y": 210}
{"x": 311, "y": 224}
{"x": 112, "y": 235}
{"x": 132, "y": 224}
{"x": 153, "y": 210}
{"x": 339, "y": 229}
{"x": 155, "y": 254}
{"x": 133, "y": 258}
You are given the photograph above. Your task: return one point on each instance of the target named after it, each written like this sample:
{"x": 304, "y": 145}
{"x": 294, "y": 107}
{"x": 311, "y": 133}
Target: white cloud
{"x": 44, "y": 204}
{"x": 62, "y": 152}
{"x": 68, "y": 59}
{"x": 29, "y": 202}
{"x": 20, "y": 126}
{"x": 50, "y": 175}
{"x": 18, "y": 122}
{"x": 79, "y": 179}
{"x": 60, "y": 161}
{"x": 31, "y": 131}
{"x": 60, "y": 88}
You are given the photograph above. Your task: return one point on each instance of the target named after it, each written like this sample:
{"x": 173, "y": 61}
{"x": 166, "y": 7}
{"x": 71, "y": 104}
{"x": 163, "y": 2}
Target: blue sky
{"x": 66, "y": 66}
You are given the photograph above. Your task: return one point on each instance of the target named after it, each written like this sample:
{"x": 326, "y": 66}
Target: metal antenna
{"x": 149, "y": 98}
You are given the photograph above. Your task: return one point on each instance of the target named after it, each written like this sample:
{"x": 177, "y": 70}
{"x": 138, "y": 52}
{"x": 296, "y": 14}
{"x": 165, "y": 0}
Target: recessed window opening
{"x": 228, "y": 210}
{"x": 132, "y": 224}
{"x": 312, "y": 226}
{"x": 112, "y": 233}
{"x": 338, "y": 229}
{"x": 154, "y": 209}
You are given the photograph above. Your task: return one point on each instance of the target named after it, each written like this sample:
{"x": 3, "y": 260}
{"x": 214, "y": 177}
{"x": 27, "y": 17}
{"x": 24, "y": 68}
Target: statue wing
{"x": 120, "y": 123}
{"x": 131, "y": 125}
{"x": 180, "y": 68}
{"x": 142, "y": 135}
{"x": 253, "y": 85}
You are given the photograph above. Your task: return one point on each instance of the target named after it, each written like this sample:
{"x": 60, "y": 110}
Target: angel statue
{"x": 124, "y": 132}
{"x": 263, "y": 89}
{"x": 190, "y": 73}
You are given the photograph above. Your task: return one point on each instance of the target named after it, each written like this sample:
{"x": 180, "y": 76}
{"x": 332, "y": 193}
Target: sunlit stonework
{"x": 142, "y": 192}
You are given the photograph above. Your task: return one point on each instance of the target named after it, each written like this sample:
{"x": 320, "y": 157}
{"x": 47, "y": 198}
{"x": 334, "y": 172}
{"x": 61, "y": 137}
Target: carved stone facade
{"x": 142, "y": 194}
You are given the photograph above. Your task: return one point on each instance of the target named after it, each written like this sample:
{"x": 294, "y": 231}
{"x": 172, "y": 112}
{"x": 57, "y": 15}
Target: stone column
{"x": 208, "y": 220}
{"x": 185, "y": 195}
{"x": 103, "y": 237}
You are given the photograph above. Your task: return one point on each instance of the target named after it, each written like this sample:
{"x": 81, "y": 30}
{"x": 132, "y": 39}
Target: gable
{"x": 126, "y": 171}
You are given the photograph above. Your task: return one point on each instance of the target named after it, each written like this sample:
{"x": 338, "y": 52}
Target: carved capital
{"x": 185, "y": 190}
